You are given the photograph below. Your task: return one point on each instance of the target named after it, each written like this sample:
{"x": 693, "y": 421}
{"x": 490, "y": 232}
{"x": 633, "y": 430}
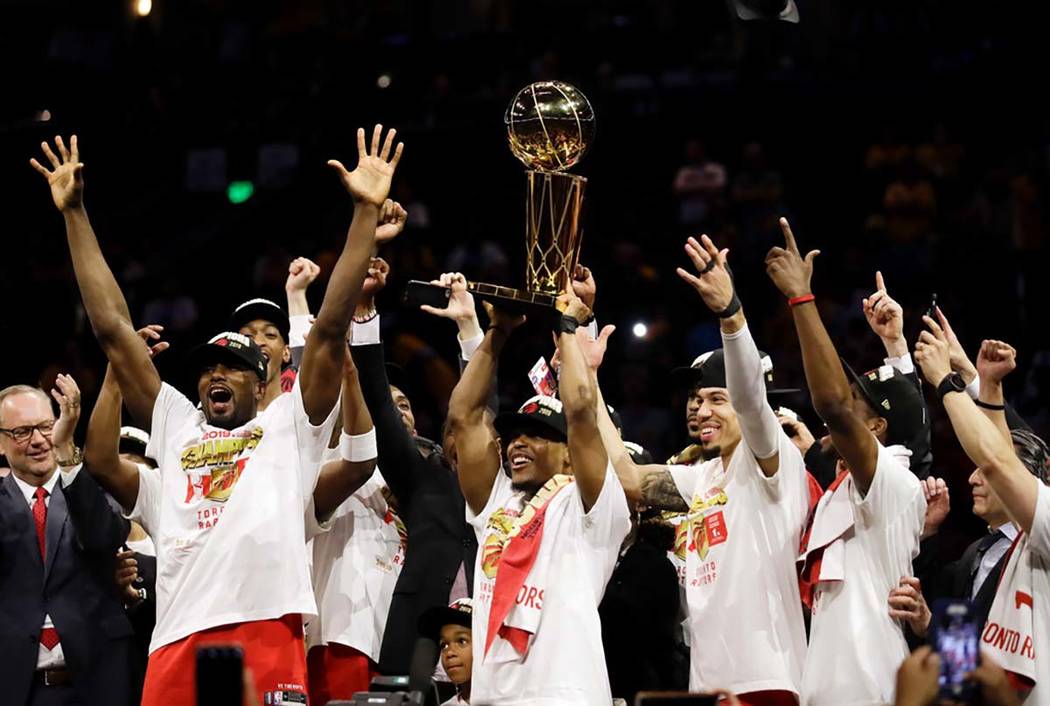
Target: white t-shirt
{"x": 855, "y": 647}
{"x": 745, "y": 615}
{"x": 565, "y": 664}
{"x": 226, "y": 557}
{"x": 355, "y": 566}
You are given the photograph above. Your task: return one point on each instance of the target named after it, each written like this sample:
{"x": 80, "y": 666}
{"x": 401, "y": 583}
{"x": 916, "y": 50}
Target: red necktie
{"x": 48, "y": 636}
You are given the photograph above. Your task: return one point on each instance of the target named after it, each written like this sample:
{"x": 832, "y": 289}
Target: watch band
{"x": 566, "y": 324}
{"x": 952, "y": 382}
{"x": 734, "y": 306}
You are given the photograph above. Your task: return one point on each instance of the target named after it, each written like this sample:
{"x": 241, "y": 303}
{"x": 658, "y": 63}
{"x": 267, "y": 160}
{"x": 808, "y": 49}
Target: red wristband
{"x": 795, "y": 301}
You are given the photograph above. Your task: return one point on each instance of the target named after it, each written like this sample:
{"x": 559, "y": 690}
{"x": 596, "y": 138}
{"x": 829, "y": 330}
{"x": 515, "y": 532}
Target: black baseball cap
{"x": 433, "y": 619}
{"x": 896, "y": 398}
{"x": 539, "y": 411}
{"x": 709, "y": 370}
{"x": 261, "y": 309}
{"x": 231, "y": 347}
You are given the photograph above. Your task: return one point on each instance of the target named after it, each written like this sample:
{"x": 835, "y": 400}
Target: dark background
{"x": 903, "y": 135}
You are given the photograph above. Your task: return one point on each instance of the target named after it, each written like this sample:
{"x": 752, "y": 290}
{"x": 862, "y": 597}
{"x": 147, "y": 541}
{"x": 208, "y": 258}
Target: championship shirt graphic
{"x": 501, "y": 522}
{"x": 214, "y": 465}
{"x": 707, "y": 525}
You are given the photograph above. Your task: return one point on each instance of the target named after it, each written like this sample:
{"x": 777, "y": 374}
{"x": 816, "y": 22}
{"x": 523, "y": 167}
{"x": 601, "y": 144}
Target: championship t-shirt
{"x": 745, "y": 615}
{"x": 855, "y": 647}
{"x": 225, "y": 509}
{"x": 355, "y": 566}
{"x": 565, "y": 663}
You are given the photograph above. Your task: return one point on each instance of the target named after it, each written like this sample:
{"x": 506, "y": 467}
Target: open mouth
{"x": 221, "y": 398}
{"x": 708, "y": 432}
{"x": 519, "y": 460}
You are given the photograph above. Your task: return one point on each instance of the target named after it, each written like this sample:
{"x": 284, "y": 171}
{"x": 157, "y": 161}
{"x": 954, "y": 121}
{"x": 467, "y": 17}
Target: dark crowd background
{"x": 901, "y": 135}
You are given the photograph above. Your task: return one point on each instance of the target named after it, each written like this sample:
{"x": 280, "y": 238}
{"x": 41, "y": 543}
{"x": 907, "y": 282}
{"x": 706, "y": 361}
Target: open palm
{"x": 66, "y": 176}
{"x": 369, "y": 183}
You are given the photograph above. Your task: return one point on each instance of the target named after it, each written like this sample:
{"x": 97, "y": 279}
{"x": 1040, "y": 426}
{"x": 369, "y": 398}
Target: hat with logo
{"x": 133, "y": 441}
{"x": 539, "y": 411}
{"x": 895, "y": 397}
{"x": 709, "y": 370}
{"x": 229, "y": 347}
{"x": 263, "y": 309}
{"x": 458, "y": 612}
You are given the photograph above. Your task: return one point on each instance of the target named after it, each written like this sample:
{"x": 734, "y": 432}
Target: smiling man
{"x": 228, "y": 504}
{"x": 268, "y": 326}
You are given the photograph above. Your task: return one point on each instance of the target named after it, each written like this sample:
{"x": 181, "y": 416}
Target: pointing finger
{"x": 880, "y": 284}
{"x": 789, "y": 237}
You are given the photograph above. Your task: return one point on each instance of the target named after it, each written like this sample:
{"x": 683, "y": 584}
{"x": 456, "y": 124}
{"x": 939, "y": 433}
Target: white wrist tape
{"x": 358, "y": 448}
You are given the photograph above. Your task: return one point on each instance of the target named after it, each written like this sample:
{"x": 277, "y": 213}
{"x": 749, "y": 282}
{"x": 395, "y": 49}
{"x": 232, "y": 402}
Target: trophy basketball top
{"x": 550, "y": 125}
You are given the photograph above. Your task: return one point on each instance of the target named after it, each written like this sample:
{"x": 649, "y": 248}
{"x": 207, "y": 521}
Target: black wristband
{"x": 566, "y": 324}
{"x": 989, "y": 405}
{"x": 734, "y": 306}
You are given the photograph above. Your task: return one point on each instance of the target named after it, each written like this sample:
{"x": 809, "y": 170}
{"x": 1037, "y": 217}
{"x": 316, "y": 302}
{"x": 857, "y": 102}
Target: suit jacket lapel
{"x": 57, "y": 519}
{"x": 16, "y": 508}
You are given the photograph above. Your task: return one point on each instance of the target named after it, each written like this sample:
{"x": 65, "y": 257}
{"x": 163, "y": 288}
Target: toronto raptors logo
{"x": 708, "y": 528}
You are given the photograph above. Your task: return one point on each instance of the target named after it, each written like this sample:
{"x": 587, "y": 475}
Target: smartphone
{"x": 932, "y": 311}
{"x": 220, "y": 675}
{"x": 418, "y": 292}
{"x": 956, "y": 637}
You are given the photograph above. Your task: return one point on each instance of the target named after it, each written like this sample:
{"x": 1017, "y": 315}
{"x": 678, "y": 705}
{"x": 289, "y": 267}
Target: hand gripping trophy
{"x": 550, "y": 125}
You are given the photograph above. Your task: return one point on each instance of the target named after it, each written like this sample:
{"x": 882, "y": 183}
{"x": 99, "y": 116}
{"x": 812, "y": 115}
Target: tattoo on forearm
{"x": 660, "y": 491}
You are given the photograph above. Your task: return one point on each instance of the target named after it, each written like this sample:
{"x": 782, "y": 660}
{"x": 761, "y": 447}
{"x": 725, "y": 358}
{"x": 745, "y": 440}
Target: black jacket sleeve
{"x": 399, "y": 458}
{"x": 99, "y": 526}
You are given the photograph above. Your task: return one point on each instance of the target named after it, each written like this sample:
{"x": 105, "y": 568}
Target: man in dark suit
{"x": 974, "y": 576}
{"x": 63, "y": 633}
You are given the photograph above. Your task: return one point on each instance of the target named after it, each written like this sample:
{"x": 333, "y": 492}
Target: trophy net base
{"x": 515, "y": 301}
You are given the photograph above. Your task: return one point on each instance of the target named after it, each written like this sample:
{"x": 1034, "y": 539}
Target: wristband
{"x": 78, "y": 457}
{"x": 989, "y": 405}
{"x": 734, "y": 306}
{"x": 795, "y": 301}
{"x": 358, "y": 448}
{"x": 566, "y": 324}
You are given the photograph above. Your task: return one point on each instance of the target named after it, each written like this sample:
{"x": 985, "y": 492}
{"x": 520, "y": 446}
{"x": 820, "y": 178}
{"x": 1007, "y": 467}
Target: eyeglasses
{"x": 22, "y": 434}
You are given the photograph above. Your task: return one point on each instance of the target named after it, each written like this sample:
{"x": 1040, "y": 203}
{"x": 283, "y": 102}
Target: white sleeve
{"x": 467, "y": 347}
{"x": 974, "y": 388}
{"x": 147, "y": 503}
{"x": 894, "y": 501}
{"x": 747, "y": 391}
{"x": 299, "y": 327}
{"x": 609, "y": 519}
{"x": 365, "y": 334}
{"x": 171, "y": 412}
{"x": 501, "y": 491}
{"x": 684, "y": 478}
{"x": 1039, "y": 537}
{"x": 311, "y": 439}
{"x": 902, "y": 364}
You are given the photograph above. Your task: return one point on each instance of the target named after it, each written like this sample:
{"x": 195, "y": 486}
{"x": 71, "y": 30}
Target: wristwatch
{"x": 78, "y": 457}
{"x": 566, "y": 324}
{"x": 952, "y": 382}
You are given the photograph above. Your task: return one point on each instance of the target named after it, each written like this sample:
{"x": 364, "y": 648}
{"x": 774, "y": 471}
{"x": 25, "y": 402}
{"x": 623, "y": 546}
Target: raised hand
{"x": 713, "y": 282}
{"x": 594, "y": 348}
{"x": 790, "y": 272}
{"x": 931, "y": 352}
{"x": 375, "y": 280}
{"x": 369, "y": 183}
{"x": 302, "y": 271}
{"x": 960, "y": 361}
{"x": 797, "y": 431}
{"x": 938, "y": 504}
{"x": 572, "y": 305}
{"x": 885, "y": 317}
{"x": 995, "y": 361}
{"x": 460, "y": 302}
{"x": 66, "y": 176}
{"x": 392, "y": 218}
{"x": 152, "y": 332}
{"x": 584, "y": 286}
{"x": 67, "y": 394}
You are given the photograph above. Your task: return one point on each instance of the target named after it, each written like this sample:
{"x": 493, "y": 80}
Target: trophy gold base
{"x": 515, "y": 301}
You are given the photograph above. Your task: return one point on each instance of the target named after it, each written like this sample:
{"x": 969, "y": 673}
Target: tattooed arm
{"x": 659, "y": 489}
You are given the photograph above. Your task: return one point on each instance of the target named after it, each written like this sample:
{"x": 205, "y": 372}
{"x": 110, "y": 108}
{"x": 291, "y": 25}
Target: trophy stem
{"x": 553, "y": 232}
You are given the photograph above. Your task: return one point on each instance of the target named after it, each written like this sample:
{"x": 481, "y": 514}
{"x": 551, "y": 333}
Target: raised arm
{"x": 104, "y": 302}
{"x": 828, "y": 388}
{"x": 886, "y": 319}
{"x": 995, "y": 361}
{"x": 357, "y": 445}
{"x": 478, "y": 456}
{"x": 979, "y": 436}
{"x": 323, "y": 355}
{"x": 744, "y": 377}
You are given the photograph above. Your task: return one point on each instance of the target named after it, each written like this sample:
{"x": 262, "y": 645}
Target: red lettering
{"x": 531, "y": 600}
{"x": 539, "y": 602}
{"x": 1027, "y": 650}
{"x": 990, "y": 630}
{"x": 522, "y": 592}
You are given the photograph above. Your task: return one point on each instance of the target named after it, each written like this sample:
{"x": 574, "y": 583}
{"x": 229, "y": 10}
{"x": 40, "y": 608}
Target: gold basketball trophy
{"x": 550, "y": 125}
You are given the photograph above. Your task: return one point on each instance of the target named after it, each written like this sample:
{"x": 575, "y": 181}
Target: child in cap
{"x": 450, "y": 628}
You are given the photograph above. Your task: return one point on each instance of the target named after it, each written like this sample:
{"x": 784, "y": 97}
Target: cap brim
{"x": 861, "y": 385}
{"x": 433, "y": 619}
{"x": 264, "y": 312}
{"x": 508, "y": 422}
{"x": 790, "y": 13}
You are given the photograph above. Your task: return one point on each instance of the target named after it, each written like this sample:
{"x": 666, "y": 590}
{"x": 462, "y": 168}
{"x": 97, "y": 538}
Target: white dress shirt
{"x": 993, "y": 554}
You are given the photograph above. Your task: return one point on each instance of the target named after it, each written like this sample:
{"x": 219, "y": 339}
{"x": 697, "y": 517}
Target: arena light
{"x": 143, "y": 7}
{"x": 43, "y": 116}
{"x": 383, "y": 81}
{"x": 240, "y": 191}
{"x": 640, "y": 330}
